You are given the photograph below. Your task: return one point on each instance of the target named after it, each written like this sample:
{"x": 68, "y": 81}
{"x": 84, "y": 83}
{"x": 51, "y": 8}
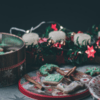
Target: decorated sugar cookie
{"x": 1, "y": 53}
{"x": 44, "y": 69}
{"x": 74, "y": 86}
{"x": 93, "y": 71}
{"x": 53, "y": 79}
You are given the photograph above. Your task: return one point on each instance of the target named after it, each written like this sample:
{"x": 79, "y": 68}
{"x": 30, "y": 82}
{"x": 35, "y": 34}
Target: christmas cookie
{"x": 93, "y": 71}
{"x": 45, "y": 69}
{"x": 1, "y": 49}
{"x": 1, "y": 53}
{"x": 53, "y": 79}
{"x": 73, "y": 87}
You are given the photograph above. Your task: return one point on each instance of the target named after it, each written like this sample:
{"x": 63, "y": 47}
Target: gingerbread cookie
{"x": 72, "y": 87}
{"x": 45, "y": 69}
{"x": 93, "y": 71}
{"x": 53, "y": 79}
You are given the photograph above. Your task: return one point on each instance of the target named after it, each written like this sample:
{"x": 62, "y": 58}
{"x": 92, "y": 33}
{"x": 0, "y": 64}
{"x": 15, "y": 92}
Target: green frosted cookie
{"x": 1, "y": 53}
{"x": 53, "y": 78}
{"x": 43, "y": 69}
{"x": 93, "y": 71}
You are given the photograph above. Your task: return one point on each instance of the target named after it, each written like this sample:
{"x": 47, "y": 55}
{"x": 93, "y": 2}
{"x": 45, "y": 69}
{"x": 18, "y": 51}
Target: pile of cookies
{"x": 57, "y": 79}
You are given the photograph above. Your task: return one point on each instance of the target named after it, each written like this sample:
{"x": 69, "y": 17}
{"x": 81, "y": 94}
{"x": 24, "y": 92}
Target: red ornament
{"x": 90, "y": 51}
{"x": 57, "y": 45}
{"x": 53, "y": 26}
{"x": 79, "y": 32}
{"x": 41, "y": 40}
{"x": 72, "y": 38}
{"x": 98, "y": 41}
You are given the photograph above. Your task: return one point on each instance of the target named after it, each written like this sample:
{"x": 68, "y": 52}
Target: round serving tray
{"x": 51, "y": 92}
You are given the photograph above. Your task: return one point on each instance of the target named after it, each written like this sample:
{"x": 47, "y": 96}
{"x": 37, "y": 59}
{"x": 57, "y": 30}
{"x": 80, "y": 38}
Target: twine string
{"x": 22, "y": 30}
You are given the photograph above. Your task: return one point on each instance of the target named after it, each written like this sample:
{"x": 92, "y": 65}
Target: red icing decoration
{"x": 79, "y": 32}
{"x": 49, "y": 89}
{"x": 53, "y": 26}
{"x": 93, "y": 81}
{"x": 59, "y": 93}
{"x": 90, "y": 51}
{"x": 37, "y": 78}
{"x": 46, "y": 85}
{"x": 35, "y": 87}
{"x": 85, "y": 79}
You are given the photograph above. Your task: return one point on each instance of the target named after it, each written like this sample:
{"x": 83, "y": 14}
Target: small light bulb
{"x": 80, "y": 52}
{"x": 27, "y": 31}
{"x": 61, "y": 27}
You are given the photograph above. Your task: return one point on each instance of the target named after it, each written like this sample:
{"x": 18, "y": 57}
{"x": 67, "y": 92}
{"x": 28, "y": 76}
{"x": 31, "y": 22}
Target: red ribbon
{"x": 60, "y": 58}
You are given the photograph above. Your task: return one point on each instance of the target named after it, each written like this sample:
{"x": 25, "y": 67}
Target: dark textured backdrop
{"x": 74, "y": 14}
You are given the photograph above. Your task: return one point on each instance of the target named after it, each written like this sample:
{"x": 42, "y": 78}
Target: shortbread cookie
{"x": 72, "y": 87}
{"x": 45, "y": 69}
{"x": 53, "y": 79}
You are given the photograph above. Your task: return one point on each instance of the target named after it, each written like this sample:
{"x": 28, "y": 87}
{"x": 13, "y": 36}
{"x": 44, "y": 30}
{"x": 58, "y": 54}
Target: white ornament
{"x": 30, "y": 38}
{"x": 57, "y": 35}
{"x": 82, "y": 37}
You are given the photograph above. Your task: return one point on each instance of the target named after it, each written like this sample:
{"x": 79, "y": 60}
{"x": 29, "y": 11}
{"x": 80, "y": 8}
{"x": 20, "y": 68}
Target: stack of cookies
{"x": 57, "y": 79}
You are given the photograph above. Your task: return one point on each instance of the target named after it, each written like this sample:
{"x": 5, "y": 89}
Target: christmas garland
{"x": 65, "y": 51}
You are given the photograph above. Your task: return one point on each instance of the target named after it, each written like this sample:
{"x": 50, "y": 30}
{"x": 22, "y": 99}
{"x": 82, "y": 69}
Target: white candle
{"x": 98, "y": 34}
{"x": 82, "y": 37}
{"x": 57, "y": 35}
{"x": 0, "y": 38}
{"x": 30, "y": 38}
